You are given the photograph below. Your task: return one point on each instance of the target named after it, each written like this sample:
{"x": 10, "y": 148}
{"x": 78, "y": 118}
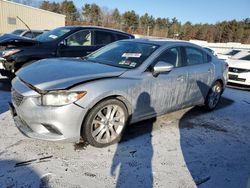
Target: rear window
{"x": 121, "y": 37}
{"x": 105, "y": 37}
{"x": 194, "y": 56}
{"x": 246, "y": 57}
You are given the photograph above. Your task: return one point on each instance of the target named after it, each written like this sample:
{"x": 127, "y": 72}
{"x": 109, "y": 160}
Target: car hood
{"x": 63, "y": 73}
{"x": 243, "y": 64}
{"x": 11, "y": 39}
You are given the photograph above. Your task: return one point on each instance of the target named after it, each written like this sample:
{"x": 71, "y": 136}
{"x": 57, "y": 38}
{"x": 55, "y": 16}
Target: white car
{"x": 241, "y": 54}
{"x": 233, "y": 54}
{"x": 218, "y": 55}
{"x": 239, "y": 70}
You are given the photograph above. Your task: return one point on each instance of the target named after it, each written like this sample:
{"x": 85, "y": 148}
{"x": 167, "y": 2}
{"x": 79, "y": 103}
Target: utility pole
{"x": 148, "y": 30}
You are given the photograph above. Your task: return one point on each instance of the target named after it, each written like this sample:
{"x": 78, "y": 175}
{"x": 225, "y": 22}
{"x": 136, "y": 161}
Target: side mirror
{"x": 161, "y": 67}
{"x": 63, "y": 43}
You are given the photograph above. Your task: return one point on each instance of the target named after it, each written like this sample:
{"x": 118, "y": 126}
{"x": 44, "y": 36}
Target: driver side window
{"x": 80, "y": 38}
{"x": 172, "y": 56}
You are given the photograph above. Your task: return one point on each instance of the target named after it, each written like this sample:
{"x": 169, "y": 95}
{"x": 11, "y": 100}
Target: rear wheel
{"x": 105, "y": 123}
{"x": 213, "y": 96}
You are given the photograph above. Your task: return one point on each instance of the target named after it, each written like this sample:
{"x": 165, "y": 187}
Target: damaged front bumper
{"x": 62, "y": 123}
{"x": 6, "y": 68}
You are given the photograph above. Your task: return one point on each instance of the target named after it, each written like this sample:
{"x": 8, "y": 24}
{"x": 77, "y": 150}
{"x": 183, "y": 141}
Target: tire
{"x": 213, "y": 96}
{"x": 105, "y": 123}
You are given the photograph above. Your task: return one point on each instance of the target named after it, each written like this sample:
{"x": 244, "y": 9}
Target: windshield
{"x": 124, "y": 54}
{"x": 53, "y": 34}
{"x": 233, "y": 52}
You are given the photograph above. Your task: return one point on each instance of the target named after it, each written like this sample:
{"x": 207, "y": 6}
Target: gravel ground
{"x": 187, "y": 148}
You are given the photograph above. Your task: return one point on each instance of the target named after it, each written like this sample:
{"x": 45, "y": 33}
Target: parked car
{"x": 124, "y": 82}
{"x": 232, "y": 52}
{"x": 240, "y": 54}
{"x": 228, "y": 54}
{"x": 239, "y": 70}
{"x": 70, "y": 41}
{"x": 218, "y": 55}
{"x": 27, "y": 33}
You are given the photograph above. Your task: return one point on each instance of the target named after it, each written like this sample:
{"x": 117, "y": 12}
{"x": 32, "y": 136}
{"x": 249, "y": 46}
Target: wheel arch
{"x": 121, "y": 98}
{"x": 221, "y": 82}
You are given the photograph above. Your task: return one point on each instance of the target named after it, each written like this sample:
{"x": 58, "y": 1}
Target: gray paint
{"x": 182, "y": 87}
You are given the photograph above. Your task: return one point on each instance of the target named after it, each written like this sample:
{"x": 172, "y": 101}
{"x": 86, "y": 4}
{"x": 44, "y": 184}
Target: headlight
{"x": 60, "y": 98}
{"x": 7, "y": 53}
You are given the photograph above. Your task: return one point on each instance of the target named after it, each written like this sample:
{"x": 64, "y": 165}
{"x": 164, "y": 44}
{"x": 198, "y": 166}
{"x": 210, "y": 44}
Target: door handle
{"x": 180, "y": 78}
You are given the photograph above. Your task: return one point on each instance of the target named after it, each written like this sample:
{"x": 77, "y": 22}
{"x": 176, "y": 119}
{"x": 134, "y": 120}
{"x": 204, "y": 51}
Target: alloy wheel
{"x": 108, "y": 124}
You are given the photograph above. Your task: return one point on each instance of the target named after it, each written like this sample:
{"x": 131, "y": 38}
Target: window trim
{"x": 91, "y": 31}
{"x": 203, "y": 56}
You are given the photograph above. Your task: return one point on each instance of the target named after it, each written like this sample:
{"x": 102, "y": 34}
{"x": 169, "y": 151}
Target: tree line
{"x": 130, "y": 21}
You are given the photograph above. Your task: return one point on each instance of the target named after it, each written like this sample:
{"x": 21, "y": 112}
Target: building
{"x": 35, "y": 18}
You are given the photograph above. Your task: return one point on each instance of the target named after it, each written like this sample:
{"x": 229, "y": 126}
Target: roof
{"x": 97, "y": 27}
{"x": 160, "y": 42}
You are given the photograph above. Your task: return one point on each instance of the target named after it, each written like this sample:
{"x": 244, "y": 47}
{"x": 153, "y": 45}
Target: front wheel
{"x": 105, "y": 123}
{"x": 213, "y": 96}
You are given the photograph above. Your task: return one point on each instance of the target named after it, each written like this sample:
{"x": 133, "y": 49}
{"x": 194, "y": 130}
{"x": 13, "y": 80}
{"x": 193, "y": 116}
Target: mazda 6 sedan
{"x": 95, "y": 97}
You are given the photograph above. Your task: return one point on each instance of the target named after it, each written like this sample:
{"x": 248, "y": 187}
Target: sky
{"x": 196, "y": 11}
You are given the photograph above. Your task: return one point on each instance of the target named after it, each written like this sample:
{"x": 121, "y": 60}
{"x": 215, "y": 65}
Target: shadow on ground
{"x": 19, "y": 176}
{"x": 212, "y": 154}
{"x": 5, "y": 87}
{"x": 238, "y": 86}
{"x": 132, "y": 160}
{"x": 5, "y": 84}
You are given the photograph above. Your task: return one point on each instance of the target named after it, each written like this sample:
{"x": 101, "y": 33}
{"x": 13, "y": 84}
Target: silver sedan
{"x": 95, "y": 97}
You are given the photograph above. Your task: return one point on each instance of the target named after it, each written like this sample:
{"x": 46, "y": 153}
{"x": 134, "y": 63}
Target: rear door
{"x": 78, "y": 44}
{"x": 200, "y": 74}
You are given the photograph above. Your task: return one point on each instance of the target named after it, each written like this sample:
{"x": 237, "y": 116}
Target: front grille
{"x": 237, "y": 70}
{"x": 17, "y": 97}
{"x": 235, "y": 77}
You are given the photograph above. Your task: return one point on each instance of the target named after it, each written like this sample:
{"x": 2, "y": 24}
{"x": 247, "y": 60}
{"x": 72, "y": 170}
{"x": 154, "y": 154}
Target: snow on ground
{"x": 187, "y": 148}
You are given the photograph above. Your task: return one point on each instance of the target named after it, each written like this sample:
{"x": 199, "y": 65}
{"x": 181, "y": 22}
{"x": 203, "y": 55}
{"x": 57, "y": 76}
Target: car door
{"x": 200, "y": 74}
{"x": 78, "y": 44}
{"x": 168, "y": 90}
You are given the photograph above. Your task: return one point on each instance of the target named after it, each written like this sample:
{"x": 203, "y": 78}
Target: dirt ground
{"x": 187, "y": 148}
